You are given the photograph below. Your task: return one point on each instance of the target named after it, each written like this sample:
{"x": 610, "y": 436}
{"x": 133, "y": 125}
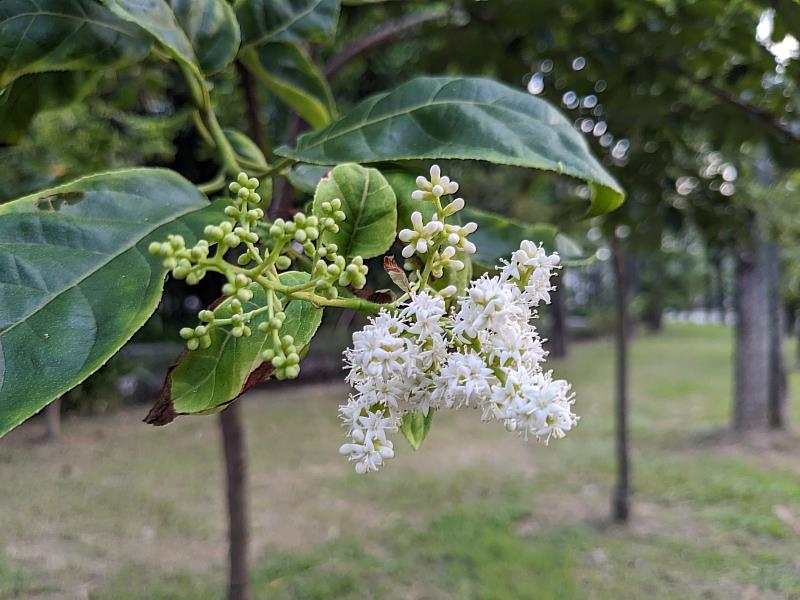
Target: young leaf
{"x": 289, "y": 73}
{"x": 462, "y": 118}
{"x": 248, "y": 153}
{"x": 157, "y": 19}
{"x": 207, "y": 380}
{"x": 212, "y": 29}
{"x": 291, "y": 21}
{"x": 396, "y": 273}
{"x": 415, "y": 427}
{"x": 369, "y": 204}
{"x": 77, "y": 280}
{"x": 52, "y": 35}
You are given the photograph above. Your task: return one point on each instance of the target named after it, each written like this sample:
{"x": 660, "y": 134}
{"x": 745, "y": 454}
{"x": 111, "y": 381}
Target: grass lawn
{"x": 117, "y": 509}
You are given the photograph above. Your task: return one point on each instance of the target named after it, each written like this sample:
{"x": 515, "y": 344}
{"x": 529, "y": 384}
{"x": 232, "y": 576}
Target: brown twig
{"x": 254, "y": 126}
{"x": 382, "y": 36}
{"x": 759, "y": 114}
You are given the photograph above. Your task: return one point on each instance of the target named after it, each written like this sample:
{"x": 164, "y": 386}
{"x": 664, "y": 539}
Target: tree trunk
{"x": 52, "y": 415}
{"x": 797, "y": 335}
{"x": 620, "y": 502}
{"x": 557, "y": 339}
{"x": 718, "y": 301}
{"x": 233, "y": 444}
{"x": 776, "y": 408}
{"x": 752, "y": 353}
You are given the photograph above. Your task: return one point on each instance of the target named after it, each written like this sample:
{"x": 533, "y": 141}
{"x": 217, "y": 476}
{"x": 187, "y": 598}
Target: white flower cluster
{"x": 436, "y": 242}
{"x": 483, "y": 353}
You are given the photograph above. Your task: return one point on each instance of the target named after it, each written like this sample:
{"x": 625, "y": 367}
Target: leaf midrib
{"x": 357, "y": 221}
{"x": 289, "y": 23}
{"x": 414, "y": 108}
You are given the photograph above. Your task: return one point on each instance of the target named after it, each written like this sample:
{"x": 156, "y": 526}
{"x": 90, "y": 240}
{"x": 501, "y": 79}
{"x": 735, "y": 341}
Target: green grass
{"x": 119, "y": 510}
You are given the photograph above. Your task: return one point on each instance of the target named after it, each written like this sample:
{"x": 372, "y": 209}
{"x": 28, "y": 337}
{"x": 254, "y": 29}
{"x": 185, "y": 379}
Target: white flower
{"x": 350, "y": 412}
{"x": 489, "y": 304}
{"x": 444, "y": 259}
{"x": 424, "y": 312}
{"x": 421, "y": 238}
{"x": 542, "y": 408}
{"x": 518, "y": 343}
{"x": 482, "y": 352}
{"x": 379, "y": 350}
{"x": 436, "y": 187}
{"x": 375, "y": 424}
{"x": 464, "y": 380}
{"x": 457, "y": 237}
{"x": 531, "y": 267}
{"x": 368, "y": 455}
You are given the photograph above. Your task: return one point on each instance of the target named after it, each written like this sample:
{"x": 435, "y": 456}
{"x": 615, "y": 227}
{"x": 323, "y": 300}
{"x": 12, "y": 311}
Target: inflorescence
{"x": 436, "y": 347}
{"x": 258, "y": 269}
{"x": 482, "y": 353}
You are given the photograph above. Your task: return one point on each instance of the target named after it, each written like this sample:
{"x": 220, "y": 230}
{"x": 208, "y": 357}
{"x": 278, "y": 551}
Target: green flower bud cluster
{"x": 185, "y": 263}
{"x": 262, "y": 251}
{"x": 284, "y": 357}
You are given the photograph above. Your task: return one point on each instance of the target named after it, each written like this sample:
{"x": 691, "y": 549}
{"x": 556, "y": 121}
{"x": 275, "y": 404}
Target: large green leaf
{"x": 212, "y": 29}
{"x": 76, "y": 279}
{"x": 53, "y": 35}
{"x": 291, "y": 75}
{"x": 287, "y": 20}
{"x": 156, "y": 18}
{"x": 369, "y": 204}
{"x": 205, "y": 381}
{"x": 33, "y": 93}
{"x": 462, "y": 118}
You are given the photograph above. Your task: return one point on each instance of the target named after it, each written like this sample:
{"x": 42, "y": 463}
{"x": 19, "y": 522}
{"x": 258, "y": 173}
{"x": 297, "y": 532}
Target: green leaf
{"x": 36, "y": 92}
{"x": 404, "y": 183}
{"x": 571, "y": 252}
{"x": 53, "y": 35}
{"x": 248, "y": 153}
{"x": 415, "y": 427}
{"x": 291, "y": 21}
{"x": 462, "y": 118}
{"x": 206, "y": 380}
{"x": 497, "y": 236}
{"x": 156, "y": 18}
{"x": 76, "y": 279}
{"x": 306, "y": 177}
{"x": 212, "y": 30}
{"x": 370, "y": 206}
{"x": 291, "y": 75}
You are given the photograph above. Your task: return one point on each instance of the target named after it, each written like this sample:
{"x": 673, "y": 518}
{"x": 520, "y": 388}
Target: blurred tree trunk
{"x": 557, "y": 338}
{"x": 233, "y": 444}
{"x": 752, "y": 353}
{"x": 776, "y": 408}
{"x": 52, "y": 416}
{"x": 797, "y": 335}
{"x": 620, "y": 502}
{"x": 718, "y": 302}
